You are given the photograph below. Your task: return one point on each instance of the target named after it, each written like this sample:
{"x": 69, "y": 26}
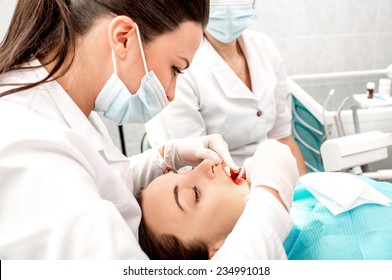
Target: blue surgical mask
{"x": 119, "y": 105}
{"x": 228, "y": 21}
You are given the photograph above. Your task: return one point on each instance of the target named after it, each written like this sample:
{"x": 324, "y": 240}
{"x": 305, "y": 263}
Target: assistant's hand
{"x": 191, "y": 151}
{"x": 274, "y": 166}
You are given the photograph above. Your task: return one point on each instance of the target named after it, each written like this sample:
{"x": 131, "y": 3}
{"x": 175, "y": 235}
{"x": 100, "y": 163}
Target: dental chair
{"x": 361, "y": 233}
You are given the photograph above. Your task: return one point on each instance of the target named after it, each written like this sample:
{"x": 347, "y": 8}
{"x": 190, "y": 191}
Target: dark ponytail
{"x": 37, "y": 30}
{"x": 49, "y": 28}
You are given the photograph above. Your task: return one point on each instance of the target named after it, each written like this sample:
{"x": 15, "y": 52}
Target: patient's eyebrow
{"x": 175, "y": 191}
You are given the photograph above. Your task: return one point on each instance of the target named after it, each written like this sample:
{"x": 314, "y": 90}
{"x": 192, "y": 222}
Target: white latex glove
{"x": 274, "y": 166}
{"x": 191, "y": 151}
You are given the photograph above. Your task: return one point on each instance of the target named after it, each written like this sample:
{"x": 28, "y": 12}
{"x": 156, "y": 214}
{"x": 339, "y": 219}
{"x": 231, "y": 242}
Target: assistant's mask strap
{"x": 141, "y": 48}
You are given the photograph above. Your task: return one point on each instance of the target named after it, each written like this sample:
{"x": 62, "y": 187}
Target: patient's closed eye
{"x": 197, "y": 194}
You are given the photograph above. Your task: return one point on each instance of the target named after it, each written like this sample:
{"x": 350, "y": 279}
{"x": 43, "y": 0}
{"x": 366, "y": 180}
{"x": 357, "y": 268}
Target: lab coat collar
{"x": 231, "y": 84}
{"x": 70, "y": 112}
{"x": 262, "y": 81}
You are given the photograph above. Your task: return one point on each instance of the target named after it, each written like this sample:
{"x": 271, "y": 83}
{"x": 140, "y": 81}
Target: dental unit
{"x": 339, "y": 132}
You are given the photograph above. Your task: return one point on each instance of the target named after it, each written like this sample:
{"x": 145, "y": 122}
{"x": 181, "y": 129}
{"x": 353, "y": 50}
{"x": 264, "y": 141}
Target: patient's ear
{"x": 212, "y": 249}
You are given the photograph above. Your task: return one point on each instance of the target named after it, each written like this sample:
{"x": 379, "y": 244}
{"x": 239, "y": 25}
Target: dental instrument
{"x": 242, "y": 173}
{"x": 338, "y": 119}
{"x": 236, "y": 175}
{"x": 354, "y": 108}
{"x": 326, "y": 101}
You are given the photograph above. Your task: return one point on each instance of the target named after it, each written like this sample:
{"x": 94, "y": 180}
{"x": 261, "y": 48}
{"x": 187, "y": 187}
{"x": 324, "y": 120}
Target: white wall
{"x": 316, "y": 36}
{"x": 6, "y": 10}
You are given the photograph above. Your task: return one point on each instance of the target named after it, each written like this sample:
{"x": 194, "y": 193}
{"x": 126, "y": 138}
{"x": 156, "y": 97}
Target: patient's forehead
{"x": 162, "y": 182}
{"x": 168, "y": 177}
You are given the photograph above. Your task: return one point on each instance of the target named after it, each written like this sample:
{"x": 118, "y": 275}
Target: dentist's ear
{"x": 122, "y": 36}
{"x": 124, "y": 42}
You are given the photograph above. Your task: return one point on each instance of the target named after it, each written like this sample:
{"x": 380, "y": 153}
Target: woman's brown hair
{"x": 42, "y": 27}
{"x": 167, "y": 246}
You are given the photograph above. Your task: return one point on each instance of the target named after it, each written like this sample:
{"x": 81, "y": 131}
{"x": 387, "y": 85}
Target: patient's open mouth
{"x": 237, "y": 177}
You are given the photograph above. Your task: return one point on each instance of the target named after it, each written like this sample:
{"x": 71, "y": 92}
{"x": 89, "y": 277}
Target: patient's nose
{"x": 206, "y": 168}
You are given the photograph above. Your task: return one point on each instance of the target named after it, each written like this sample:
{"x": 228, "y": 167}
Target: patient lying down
{"x": 189, "y": 215}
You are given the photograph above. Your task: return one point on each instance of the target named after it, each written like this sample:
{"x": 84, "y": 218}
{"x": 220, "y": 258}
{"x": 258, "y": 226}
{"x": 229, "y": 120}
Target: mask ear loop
{"x": 141, "y": 51}
{"x": 141, "y": 48}
{"x": 114, "y": 62}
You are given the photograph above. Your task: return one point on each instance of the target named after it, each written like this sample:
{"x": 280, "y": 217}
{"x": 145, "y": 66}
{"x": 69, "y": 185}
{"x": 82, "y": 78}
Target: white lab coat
{"x": 66, "y": 192}
{"x": 211, "y": 98}
{"x": 260, "y": 231}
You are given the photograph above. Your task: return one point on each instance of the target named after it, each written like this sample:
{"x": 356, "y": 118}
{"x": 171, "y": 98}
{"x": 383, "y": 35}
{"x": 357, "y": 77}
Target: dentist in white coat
{"x": 66, "y": 192}
{"x": 236, "y": 87}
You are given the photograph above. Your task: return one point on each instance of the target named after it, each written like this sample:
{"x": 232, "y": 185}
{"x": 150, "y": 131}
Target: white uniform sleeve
{"x": 146, "y": 167}
{"x": 282, "y": 125}
{"x": 181, "y": 118}
{"x": 50, "y": 201}
{"x": 51, "y": 208}
{"x": 260, "y": 231}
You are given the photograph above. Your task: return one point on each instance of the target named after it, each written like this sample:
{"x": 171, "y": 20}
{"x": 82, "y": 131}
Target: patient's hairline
{"x": 195, "y": 249}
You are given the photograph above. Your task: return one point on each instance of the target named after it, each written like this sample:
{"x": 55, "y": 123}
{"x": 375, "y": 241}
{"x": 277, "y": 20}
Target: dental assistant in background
{"x": 236, "y": 87}
{"x": 66, "y": 192}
